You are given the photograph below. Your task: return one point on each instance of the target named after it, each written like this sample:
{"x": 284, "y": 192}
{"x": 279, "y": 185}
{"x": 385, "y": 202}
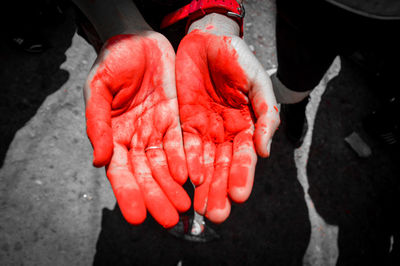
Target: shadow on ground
{"x": 359, "y": 195}
{"x": 27, "y": 79}
{"x": 271, "y": 228}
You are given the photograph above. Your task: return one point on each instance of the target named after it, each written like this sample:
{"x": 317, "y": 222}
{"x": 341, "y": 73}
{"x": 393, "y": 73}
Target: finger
{"x": 155, "y": 200}
{"x": 98, "y": 121}
{"x": 194, "y": 156}
{"x": 243, "y": 166}
{"x": 218, "y": 205}
{"x": 265, "y": 129}
{"x": 126, "y": 190}
{"x": 201, "y": 192}
{"x": 173, "y": 146}
{"x": 159, "y": 167}
{"x": 266, "y": 111}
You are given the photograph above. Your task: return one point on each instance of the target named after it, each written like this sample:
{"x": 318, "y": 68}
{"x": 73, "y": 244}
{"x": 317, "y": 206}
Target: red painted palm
{"x": 133, "y": 124}
{"x": 220, "y": 83}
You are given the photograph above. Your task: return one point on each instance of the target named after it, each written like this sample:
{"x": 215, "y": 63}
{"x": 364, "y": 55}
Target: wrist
{"x": 203, "y": 15}
{"x": 217, "y": 24}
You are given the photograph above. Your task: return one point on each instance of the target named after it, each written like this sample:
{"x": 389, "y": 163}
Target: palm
{"x": 132, "y": 106}
{"x": 217, "y": 122}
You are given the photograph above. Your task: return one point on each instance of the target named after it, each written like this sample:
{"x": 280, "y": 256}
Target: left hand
{"x": 222, "y": 89}
{"x": 133, "y": 124}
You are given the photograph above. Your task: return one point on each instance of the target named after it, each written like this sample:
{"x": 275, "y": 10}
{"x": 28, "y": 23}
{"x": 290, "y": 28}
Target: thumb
{"x": 98, "y": 121}
{"x": 266, "y": 111}
{"x": 262, "y": 98}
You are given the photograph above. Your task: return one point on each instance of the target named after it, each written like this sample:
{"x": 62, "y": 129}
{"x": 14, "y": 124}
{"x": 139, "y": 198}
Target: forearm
{"x": 113, "y": 17}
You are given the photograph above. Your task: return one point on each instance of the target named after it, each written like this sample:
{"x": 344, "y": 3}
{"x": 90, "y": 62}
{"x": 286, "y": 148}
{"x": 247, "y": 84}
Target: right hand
{"x": 228, "y": 113}
{"x": 131, "y": 105}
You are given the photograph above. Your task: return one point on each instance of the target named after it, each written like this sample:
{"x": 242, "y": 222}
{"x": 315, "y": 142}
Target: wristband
{"x": 199, "y": 8}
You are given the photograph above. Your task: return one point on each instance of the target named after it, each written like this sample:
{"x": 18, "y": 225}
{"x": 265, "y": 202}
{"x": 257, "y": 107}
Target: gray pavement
{"x": 316, "y": 205}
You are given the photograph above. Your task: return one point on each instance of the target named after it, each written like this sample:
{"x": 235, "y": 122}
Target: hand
{"x": 220, "y": 83}
{"x": 133, "y": 125}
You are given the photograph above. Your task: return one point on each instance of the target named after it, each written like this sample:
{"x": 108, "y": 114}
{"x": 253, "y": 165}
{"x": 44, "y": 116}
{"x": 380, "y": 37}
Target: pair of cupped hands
{"x": 154, "y": 118}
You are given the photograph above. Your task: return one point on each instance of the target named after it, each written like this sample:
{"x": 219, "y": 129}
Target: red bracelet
{"x": 199, "y": 8}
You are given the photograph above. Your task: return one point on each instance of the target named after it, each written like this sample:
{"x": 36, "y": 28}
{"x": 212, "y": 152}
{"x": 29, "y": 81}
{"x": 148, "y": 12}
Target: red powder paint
{"x": 127, "y": 111}
{"x": 211, "y": 87}
{"x": 263, "y": 108}
{"x": 125, "y": 187}
{"x": 201, "y": 192}
{"x": 218, "y": 206}
{"x": 194, "y": 152}
{"x": 243, "y": 167}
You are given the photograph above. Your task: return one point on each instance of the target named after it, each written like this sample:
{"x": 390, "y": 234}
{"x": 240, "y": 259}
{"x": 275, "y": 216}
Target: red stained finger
{"x": 126, "y": 190}
{"x": 201, "y": 192}
{"x": 173, "y": 146}
{"x": 266, "y": 112}
{"x": 218, "y": 205}
{"x": 265, "y": 128}
{"x": 156, "y": 201}
{"x": 194, "y": 156}
{"x": 243, "y": 166}
{"x": 98, "y": 122}
{"x": 159, "y": 167}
